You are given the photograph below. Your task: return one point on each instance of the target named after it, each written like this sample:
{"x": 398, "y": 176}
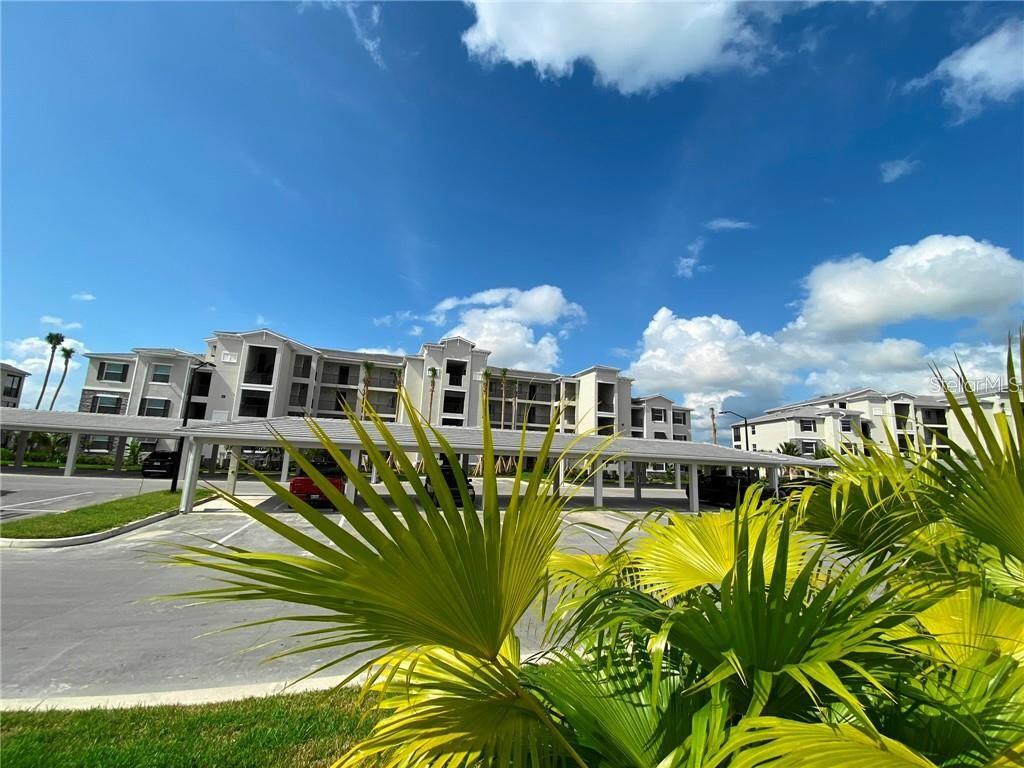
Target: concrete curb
{"x": 162, "y": 698}
{"x": 88, "y": 538}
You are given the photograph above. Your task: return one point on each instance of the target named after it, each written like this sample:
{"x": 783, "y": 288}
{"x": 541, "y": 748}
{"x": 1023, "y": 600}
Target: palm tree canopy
{"x": 55, "y": 339}
{"x": 67, "y": 353}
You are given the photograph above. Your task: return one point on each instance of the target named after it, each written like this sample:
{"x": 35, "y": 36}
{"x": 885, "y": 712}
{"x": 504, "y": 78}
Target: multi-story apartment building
{"x": 14, "y": 381}
{"x": 261, "y": 374}
{"x": 842, "y": 420}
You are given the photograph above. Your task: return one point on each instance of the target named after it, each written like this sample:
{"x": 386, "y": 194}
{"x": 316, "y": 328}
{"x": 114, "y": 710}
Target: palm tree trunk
{"x": 63, "y": 375}
{"x": 46, "y": 378}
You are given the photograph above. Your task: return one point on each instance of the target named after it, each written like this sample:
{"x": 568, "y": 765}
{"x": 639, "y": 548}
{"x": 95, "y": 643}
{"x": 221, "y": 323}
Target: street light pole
{"x": 746, "y": 429}
{"x": 184, "y": 419}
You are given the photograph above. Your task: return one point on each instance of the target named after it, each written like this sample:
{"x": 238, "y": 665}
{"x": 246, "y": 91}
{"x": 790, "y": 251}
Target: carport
{"x": 75, "y": 424}
{"x": 469, "y": 441}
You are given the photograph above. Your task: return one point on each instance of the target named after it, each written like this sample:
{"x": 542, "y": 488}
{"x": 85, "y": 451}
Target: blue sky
{"x": 736, "y": 204}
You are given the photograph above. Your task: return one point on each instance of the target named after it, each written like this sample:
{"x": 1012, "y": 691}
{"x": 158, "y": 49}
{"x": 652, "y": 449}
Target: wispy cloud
{"x": 365, "y": 27}
{"x": 720, "y": 224}
{"x": 59, "y": 322}
{"x": 83, "y": 296}
{"x": 262, "y": 321}
{"x": 892, "y": 170}
{"x": 687, "y": 265}
{"x": 416, "y": 330}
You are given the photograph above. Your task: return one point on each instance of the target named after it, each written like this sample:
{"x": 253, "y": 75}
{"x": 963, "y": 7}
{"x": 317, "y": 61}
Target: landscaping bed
{"x": 96, "y": 517}
{"x": 304, "y": 730}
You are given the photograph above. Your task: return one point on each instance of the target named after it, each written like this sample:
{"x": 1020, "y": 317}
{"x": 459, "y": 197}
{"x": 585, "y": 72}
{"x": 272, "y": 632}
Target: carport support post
{"x": 193, "y": 458}
{"x": 679, "y": 476}
{"x": 232, "y": 468}
{"x": 69, "y": 465}
{"x": 350, "y": 487}
{"x": 286, "y": 459}
{"x": 19, "y": 449}
{"x": 692, "y": 492}
{"x": 622, "y": 474}
{"x": 599, "y": 488}
{"x": 773, "y": 478}
{"x": 119, "y": 453}
{"x": 728, "y": 470}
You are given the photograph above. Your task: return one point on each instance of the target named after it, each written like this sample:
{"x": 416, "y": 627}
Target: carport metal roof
{"x": 470, "y": 440}
{"x": 24, "y": 419}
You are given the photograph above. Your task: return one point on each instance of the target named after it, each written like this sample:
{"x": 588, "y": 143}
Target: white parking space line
{"x": 52, "y": 498}
{"x": 230, "y": 535}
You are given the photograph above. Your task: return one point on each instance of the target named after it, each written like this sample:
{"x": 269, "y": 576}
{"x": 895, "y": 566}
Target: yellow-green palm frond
{"x": 449, "y": 709}
{"x": 696, "y": 550}
{"x": 969, "y": 621}
{"x": 980, "y": 485}
{"x": 775, "y": 742}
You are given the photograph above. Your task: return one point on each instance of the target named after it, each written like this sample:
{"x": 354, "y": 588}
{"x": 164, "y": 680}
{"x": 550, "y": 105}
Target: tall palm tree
{"x": 504, "y": 384}
{"x": 66, "y": 353}
{"x": 433, "y": 385}
{"x": 54, "y": 340}
{"x": 367, "y": 372}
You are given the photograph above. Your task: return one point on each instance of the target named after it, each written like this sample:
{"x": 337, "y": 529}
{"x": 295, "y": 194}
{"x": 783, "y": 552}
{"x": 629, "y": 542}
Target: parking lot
{"x": 86, "y": 621}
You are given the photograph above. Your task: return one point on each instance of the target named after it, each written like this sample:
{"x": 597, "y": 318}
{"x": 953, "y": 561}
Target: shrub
{"x": 96, "y": 459}
{"x": 6, "y": 454}
{"x": 877, "y": 622}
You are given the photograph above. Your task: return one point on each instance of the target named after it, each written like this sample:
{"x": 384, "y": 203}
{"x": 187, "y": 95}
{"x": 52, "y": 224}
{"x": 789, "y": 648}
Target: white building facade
{"x": 14, "y": 383}
{"x": 262, "y": 374}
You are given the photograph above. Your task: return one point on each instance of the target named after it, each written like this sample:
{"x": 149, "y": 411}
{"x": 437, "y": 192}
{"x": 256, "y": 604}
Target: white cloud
{"x": 83, "y": 296}
{"x": 892, "y": 170}
{"x": 395, "y": 318}
{"x": 59, "y": 322}
{"x": 632, "y": 47}
{"x": 365, "y": 26}
{"x": 416, "y": 330}
{"x": 833, "y": 344}
{"x": 940, "y": 277}
{"x": 504, "y": 321}
{"x": 32, "y": 354}
{"x": 685, "y": 265}
{"x": 990, "y": 70}
{"x": 725, "y": 224}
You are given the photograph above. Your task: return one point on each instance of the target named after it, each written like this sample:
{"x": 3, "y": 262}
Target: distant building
{"x": 841, "y": 421}
{"x": 14, "y": 381}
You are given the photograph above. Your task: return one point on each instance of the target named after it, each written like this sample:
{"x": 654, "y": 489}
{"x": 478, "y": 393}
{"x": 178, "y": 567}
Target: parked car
{"x": 160, "y": 464}
{"x": 453, "y": 485}
{"x": 303, "y": 486}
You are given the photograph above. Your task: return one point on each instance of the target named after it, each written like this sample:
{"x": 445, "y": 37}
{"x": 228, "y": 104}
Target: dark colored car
{"x": 304, "y": 487}
{"x": 160, "y": 464}
{"x": 453, "y": 485}
{"x": 723, "y": 490}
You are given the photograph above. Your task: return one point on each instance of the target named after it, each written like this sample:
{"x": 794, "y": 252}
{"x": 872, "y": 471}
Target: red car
{"x": 304, "y": 487}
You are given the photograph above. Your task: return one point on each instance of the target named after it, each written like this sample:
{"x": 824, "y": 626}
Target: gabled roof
{"x": 849, "y": 395}
{"x": 805, "y": 412}
{"x": 522, "y": 373}
{"x": 167, "y": 352}
{"x": 111, "y": 355}
{"x": 8, "y": 368}
{"x": 268, "y": 331}
{"x": 598, "y": 368}
{"x": 655, "y": 396}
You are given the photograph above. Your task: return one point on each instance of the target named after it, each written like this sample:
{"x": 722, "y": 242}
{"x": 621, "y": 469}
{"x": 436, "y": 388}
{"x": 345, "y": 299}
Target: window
{"x": 679, "y": 417}
{"x": 454, "y": 402}
{"x": 677, "y": 437}
{"x": 254, "y": 404}
{"x": 298, "y": 394}
{"x": 456, "y": 370}
{"x": 197, "y": 410}
{"x": 12, "y": 386}
{"x": 106, "y": 404}
{"x": 660, "y": 436}
{"x": 753, "y": 446}
{"x": 753, "y": 429}
{"x": 807, "y": 447}
{"x": 228, "y": 357}
{"x": 808, "y": 425}
{"x": 98, "y": 443}
{"x": 201, "y": 383}
{"x": 303, "y": 365}
{"x": 846, "y": 425}
{"x": 842, "y": 403}
{"x": 161, "y": 373}
{"x": 259, "y": 366}
{"x": 736, "y": 434}
{"x": 112, "y": 371}
{"x": 657, "y": 414}
{"x": 154, "y": 406}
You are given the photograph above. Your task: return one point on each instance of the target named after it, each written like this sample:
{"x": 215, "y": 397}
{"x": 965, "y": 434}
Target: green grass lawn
{"x": 97, "y": 517}
{"x": 79, "y": 466}
{"x": 303, "y": 730}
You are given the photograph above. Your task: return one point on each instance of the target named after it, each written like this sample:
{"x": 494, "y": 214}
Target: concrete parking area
{"x": 24, "y": 493}
{"x": 84, "y": 621}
